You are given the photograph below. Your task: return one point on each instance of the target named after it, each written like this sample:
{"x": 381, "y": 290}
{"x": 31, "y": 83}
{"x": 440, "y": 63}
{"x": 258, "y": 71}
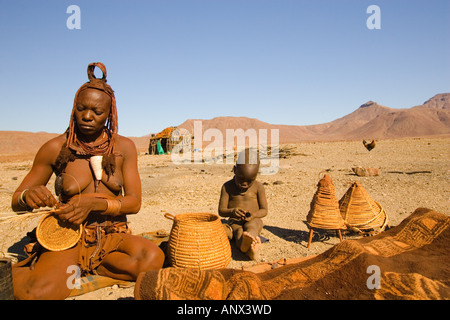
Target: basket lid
{"x": 324, "y": 208}
{"x": 359, "y": 209}
{"x": 57, "y": 235}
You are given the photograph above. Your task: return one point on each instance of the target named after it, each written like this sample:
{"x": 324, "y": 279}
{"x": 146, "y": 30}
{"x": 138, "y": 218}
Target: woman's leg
{"x": 51, "y": 278}
{"x": 133, "y": 256}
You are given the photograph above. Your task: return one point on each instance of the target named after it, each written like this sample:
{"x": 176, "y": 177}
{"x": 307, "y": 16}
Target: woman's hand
{"x": 76, "y": 210}
{"x": 37, "y": 197}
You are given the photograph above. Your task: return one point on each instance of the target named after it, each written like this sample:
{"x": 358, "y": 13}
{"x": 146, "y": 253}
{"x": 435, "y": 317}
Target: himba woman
{"x": 106, "y": 246}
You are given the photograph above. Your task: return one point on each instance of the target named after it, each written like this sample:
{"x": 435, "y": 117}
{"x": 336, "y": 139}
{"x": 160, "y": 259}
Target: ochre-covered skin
{"x": 92, "y": 131}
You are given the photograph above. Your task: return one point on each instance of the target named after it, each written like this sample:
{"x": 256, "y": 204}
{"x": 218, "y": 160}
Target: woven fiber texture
{"x": 324, "y": 208}
{"x": 198, "y": 241}
{"x": 413, "y": 259}
{"x": 360, "y": 211}
{"x": 57, "y": 235}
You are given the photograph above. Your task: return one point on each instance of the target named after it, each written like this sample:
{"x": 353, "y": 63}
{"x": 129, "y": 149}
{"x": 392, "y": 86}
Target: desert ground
{"x": 414, "y": 172}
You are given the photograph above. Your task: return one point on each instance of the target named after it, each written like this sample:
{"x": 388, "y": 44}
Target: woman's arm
{"x": 132, "y": 193}
{"x": 32, "y": 192}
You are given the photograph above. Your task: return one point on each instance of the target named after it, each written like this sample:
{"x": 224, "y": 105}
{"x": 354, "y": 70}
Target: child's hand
{"x": 239, "y": 213}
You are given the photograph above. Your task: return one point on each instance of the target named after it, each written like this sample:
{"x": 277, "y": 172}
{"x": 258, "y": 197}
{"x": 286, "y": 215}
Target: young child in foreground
{"x": 243, "y": 201}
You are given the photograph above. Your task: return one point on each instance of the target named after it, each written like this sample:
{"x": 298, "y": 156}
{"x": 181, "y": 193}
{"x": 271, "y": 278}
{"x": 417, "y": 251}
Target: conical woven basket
{"x": 198, "y": 241}
{"x": 324, "y": 208}
{"x": 360, "y": 211}
{"x": 57, "y": 235}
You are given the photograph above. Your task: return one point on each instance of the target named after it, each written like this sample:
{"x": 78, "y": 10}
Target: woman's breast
{"x": 79, "y": 178}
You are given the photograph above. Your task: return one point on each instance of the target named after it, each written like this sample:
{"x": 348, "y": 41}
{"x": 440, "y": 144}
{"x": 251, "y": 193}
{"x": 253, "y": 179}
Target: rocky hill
{"x": 369, "y": 121}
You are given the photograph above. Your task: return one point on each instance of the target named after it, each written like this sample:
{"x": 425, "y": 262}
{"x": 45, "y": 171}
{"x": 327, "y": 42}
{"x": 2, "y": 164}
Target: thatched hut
{"x": 164, "y": 141}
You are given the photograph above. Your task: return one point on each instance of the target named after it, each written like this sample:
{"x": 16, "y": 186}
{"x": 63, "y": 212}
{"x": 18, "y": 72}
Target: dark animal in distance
{"x": 369, "y": 146}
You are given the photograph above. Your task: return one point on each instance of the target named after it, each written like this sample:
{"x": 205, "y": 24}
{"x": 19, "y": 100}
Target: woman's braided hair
{"x": 74, "y": 145}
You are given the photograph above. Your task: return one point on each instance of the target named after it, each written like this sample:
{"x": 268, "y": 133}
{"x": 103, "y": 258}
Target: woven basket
{"x": 360, "y": 211}
{"x": 324, "y": 208}
{"x": 57, "y": 235}
{"x": 198, "y": 241}
{"x": 6, "y": 283}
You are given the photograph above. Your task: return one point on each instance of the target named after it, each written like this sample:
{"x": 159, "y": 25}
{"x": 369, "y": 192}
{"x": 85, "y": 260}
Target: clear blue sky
{"x": 280, "y": 61}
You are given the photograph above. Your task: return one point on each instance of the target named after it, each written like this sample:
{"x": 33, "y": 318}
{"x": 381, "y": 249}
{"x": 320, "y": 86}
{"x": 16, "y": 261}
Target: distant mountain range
{"x": 369, "y": 121}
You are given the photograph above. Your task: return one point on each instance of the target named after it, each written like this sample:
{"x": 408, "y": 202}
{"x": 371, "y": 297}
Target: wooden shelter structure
{"x": 168, "y": 139}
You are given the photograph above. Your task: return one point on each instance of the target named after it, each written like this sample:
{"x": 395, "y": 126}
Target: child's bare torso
{"x": 246, "y": 200}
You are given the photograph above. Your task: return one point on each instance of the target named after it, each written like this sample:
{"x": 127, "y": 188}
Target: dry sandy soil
{"x": 414, "y": 173}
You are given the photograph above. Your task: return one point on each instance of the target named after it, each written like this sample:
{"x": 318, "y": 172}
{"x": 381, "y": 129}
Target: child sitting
{"x": 243, "y": 201}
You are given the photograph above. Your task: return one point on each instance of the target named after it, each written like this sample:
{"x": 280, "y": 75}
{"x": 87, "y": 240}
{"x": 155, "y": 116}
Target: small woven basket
{"x": 198, "y": 241}
{"x": 324, "y": 208}
{"x": 57, "y": 235}
{"x": 6, "y": 283}
{"x": 360, "y": 211}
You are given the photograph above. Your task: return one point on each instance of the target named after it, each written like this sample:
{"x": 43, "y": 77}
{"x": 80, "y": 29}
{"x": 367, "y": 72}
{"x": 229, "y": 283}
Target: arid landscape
{"x": 412, "y": 154}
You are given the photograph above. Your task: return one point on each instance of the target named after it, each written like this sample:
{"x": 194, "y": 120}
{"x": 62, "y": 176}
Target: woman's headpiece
{"x": 105, "y": 147}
